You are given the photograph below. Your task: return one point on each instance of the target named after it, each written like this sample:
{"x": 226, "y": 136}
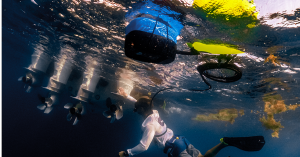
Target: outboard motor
{"x": 48, "y": 102}
{"x": 36, "y": 71}
{"x": 115, "y": 111}
{"x": 75, "y": 110}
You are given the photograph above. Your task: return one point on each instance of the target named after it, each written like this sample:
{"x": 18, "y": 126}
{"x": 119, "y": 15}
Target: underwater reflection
{"x": 237, "y": 19}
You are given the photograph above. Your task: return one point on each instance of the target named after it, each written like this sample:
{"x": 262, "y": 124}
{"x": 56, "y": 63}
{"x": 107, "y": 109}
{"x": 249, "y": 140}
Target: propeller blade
{"x": 48, "y": 110}
{"x": 49, "y": 105}
{"x": 75, "y": 121}
{"x": 53, "y": 99}
{"x": 107, "y": 113}
{"x": 68, "y": 106}
{"x": 119, "y": 113}
{"x": 49, "y": 101}
{"x": 29, "y": 89}
{"x": 41, "y": 106}
{"x": 20, "y": 79}
{"x": 69, "y": 117}
{"x": 83, "y": 111}
{"x": 28, "y": 76}
{"x": 113, "y": 118}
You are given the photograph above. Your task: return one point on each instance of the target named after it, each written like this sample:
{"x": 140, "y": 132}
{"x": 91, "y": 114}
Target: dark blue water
{"x": 26, "y": 131}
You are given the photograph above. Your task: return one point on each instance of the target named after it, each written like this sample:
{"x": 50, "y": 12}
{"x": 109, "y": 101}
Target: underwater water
{"x": 74, "y": 50}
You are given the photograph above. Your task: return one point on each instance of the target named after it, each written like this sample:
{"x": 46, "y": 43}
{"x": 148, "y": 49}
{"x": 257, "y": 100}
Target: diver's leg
{"x": 213, "y": 151}
{"x": 184, "y": 154}
{"x": 192, "y": 151}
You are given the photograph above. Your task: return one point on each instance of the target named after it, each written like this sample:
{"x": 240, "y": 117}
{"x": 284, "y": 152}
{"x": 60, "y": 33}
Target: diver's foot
{"x": 222, "y": 141}
{"x": 252, "y": 143}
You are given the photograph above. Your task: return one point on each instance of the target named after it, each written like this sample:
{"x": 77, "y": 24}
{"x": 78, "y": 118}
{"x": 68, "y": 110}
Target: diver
{"x": 155, "y": 129}
{"x": 115, "y": 110}
{"x": 75, "y": 110}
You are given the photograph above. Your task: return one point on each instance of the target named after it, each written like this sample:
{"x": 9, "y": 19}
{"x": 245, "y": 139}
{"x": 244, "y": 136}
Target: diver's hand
{"x": 122, "y": 92}
{"x": 122, "y": 153}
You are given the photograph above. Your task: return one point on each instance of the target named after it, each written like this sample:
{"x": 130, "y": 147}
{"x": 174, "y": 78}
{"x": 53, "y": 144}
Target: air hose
{"x": 202, "y": 69}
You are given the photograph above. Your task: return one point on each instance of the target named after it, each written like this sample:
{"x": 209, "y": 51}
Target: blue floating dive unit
{"x": 151, "y": 35}
{"x": 146, "y": 43}
{"x": 177, "y": 144}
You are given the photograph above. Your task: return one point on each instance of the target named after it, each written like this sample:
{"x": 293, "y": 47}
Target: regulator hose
{"x": 202, "y": 69}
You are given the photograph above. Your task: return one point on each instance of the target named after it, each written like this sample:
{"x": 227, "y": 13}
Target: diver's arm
{"x": 144, "y": 143}
{"x": 136, "y": 150}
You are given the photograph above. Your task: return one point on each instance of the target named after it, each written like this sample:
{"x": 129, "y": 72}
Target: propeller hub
{"x": 113, "y": 108}
{"x": 72, "y": 110}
